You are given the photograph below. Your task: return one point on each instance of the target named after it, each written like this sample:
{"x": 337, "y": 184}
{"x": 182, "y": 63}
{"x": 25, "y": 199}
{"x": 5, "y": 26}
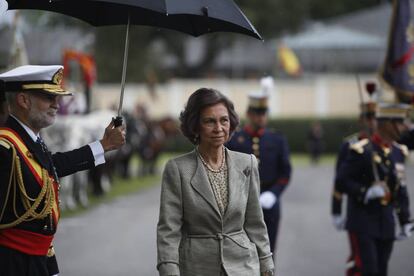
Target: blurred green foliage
{"x": 334, "y": 131}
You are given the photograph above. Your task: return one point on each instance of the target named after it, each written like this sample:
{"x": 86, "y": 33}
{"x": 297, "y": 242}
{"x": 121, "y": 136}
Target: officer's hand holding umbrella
{"x": 194, "y": 17}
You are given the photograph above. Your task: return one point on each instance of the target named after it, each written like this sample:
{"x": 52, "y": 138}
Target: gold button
{"x": 256, "y": 140}
{"x": 377, "y": 158}
{"x": 255, "y": 147}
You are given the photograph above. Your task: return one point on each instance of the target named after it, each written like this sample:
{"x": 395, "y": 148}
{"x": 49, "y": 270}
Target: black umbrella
{"x": 194, "y": 17}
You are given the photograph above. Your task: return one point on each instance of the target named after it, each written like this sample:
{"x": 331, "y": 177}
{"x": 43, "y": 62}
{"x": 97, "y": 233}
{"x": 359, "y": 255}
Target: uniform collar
{"x": 27, "y": 129}
{"x": 377, "y": 140}
{"x": 254, "y": 133}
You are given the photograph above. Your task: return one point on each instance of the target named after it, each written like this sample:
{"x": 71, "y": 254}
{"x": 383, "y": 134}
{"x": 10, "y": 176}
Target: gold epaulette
{"x": 404, "y": 149}
{"x": 352, "y": 138}
{"x": 359, "y": 146}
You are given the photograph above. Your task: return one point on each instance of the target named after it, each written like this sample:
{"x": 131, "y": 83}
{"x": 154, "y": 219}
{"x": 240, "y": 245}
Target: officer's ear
{"x": 23, "y": 100}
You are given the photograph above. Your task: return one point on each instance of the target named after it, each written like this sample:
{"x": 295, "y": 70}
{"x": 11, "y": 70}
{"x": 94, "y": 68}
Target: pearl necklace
{"x": 220, "y": 169}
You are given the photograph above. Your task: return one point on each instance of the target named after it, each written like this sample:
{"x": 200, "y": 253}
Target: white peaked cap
{"x": 267, "y": 84}
{"x": 36, "y": 78}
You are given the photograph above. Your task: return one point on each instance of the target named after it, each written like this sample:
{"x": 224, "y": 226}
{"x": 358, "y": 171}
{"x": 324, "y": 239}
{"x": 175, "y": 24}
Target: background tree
{"x": 109, "y": 52}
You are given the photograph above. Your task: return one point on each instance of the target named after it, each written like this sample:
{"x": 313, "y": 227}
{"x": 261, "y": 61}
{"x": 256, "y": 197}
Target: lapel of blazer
{"x": 237, "y": 177}
{"x": 201, "y": 184}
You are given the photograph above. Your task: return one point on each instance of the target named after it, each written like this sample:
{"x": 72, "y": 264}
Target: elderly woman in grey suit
{"x": 210, "y": 221}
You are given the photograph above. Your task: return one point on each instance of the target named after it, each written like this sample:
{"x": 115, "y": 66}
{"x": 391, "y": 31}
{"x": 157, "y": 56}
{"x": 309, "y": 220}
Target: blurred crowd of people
{"x": 220, "y": 206}
{"x": 146, "y": 138}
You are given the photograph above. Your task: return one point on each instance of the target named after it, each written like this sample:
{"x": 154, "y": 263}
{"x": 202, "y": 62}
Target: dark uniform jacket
{"x": 356, "y": 175}
{"x": 65, "y": 164}
{"x": 408, "y": 139}
{"x": 272, "y": 151}
{"x": 337, "y": 196}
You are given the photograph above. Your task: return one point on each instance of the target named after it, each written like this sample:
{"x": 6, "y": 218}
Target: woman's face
{"x": 214, "y": 125}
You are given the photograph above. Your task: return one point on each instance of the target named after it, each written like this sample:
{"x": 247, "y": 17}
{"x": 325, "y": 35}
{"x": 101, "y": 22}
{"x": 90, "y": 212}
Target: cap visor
{"x": 57, "y": 92}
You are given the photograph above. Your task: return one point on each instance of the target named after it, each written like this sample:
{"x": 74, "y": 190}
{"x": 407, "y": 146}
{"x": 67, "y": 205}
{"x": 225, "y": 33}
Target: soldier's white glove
{"x": 406, "y": 231}
{"x": 374, "y": 192}
{"x": 267, "y": 200}
{"x": 338, "y": 222}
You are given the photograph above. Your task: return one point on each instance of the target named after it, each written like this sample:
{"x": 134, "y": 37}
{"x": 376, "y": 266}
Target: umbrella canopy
{"x": 194, "y": 17}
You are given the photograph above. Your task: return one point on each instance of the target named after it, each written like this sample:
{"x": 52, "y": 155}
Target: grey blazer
{"x": 192, "y": 236}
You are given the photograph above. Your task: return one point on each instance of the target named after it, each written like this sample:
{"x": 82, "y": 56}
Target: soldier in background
{"x": 367, "y": 124}
{"x": 272, "y": 152}
{"x": 407, "y": 138}
{"x": 315, "y": 142}
{"x": 373, "y": 178}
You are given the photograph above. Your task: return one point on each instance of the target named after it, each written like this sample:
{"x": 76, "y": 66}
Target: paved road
{"x": 119, "y": 238}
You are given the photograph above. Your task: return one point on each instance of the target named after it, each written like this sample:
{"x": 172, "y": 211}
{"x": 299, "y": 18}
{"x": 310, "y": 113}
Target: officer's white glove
{"x": 267, "y": 200}
{"x": 375, "y": 191}
{"x": 406, "y": 231}
{"x": 338, "y": 222}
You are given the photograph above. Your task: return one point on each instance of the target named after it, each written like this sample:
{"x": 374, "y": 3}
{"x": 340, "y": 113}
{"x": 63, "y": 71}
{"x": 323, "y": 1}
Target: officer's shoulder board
{"x": 403, "y": 148}
{"x": 359, "y": 145}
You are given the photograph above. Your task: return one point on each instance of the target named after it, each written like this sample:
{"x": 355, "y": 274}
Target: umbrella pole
{"x": 118, "y": 119}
